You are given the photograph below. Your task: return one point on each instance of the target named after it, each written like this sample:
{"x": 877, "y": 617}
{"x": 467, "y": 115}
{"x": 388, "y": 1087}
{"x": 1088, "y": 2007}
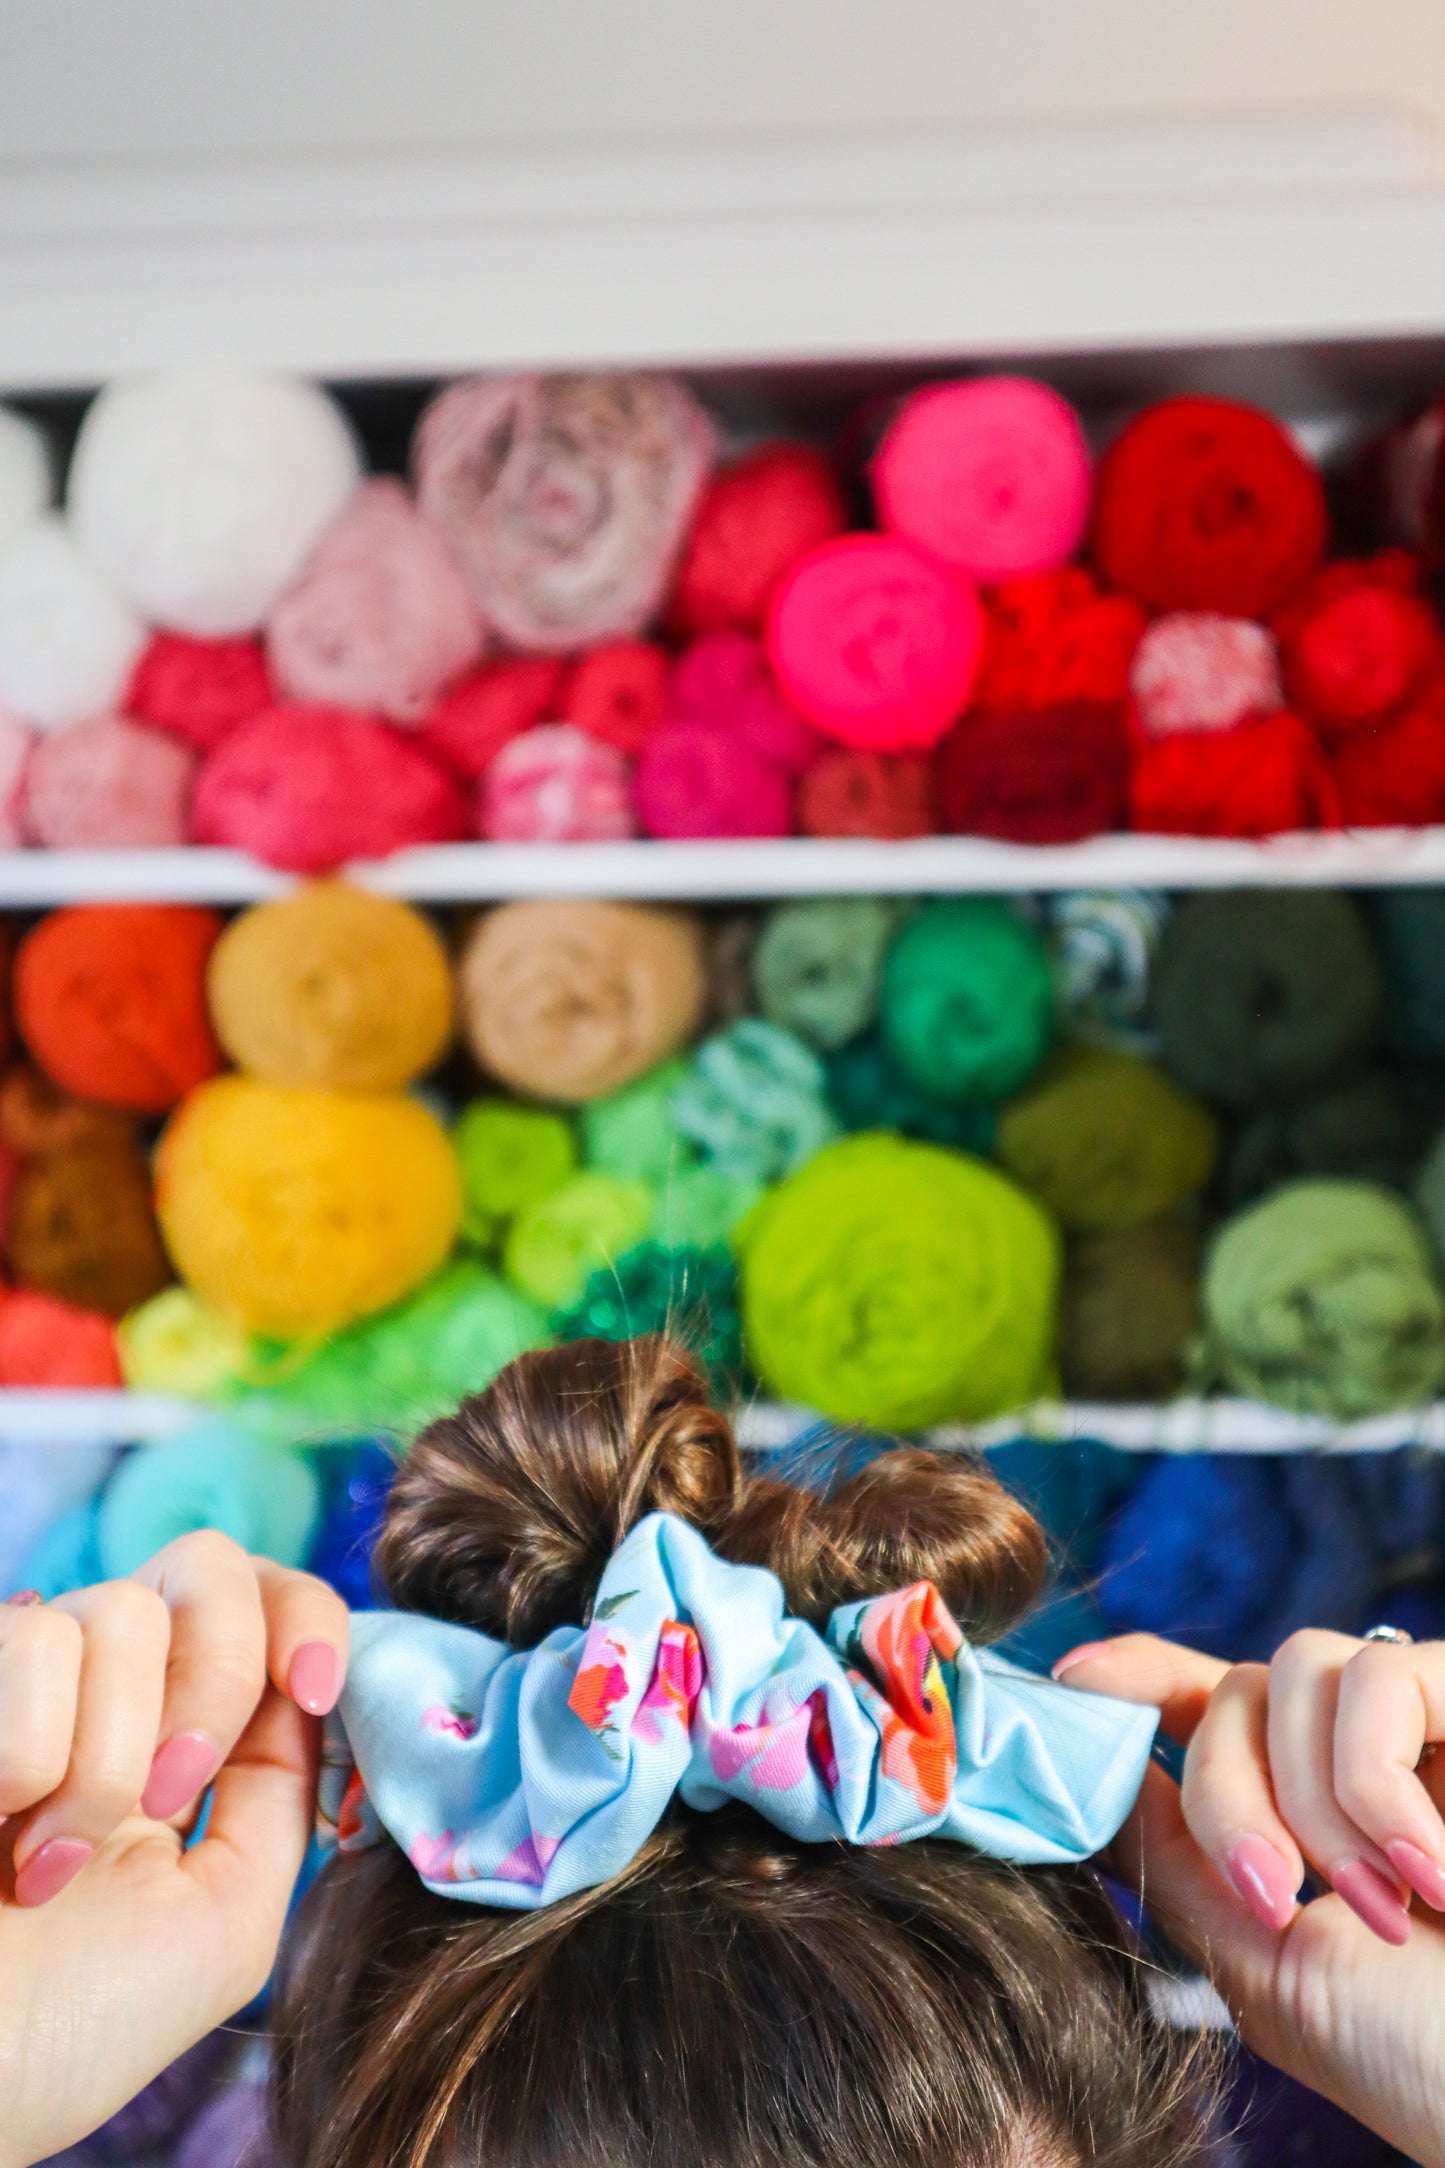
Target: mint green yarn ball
{"x": 210, "y": 1475}
{"x": 755, "y": 1102}
{"x": 511, "y": 1156}
{"x": 817, "y": 964}
{"x": 966, "y": 1005}
{"x": 558, "y": 1243}
{"x": 703, "y": 1209}
{"x": 632, "y": 1134}
{"x": 898, "y": 1284}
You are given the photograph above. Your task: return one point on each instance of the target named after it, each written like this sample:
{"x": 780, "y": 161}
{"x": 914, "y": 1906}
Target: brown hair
{"x": 734, "y": 1999}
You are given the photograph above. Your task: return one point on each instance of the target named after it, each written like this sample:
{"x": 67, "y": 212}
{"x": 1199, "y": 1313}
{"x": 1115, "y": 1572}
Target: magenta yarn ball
{"x": 109, "y": 784}
{"x": 697, "y": 779}
{"x": 557, "y": 784}
{"x": 725, "y": 678}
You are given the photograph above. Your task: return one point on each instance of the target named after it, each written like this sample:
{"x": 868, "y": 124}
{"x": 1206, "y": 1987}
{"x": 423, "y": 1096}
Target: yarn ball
{"x": 755, "y": 1103}
{"x": 569, "y": 1000}
{"x": 846, "y": 792}
{"x": 65, "y": 1557}
{"x": 557, "y": 784}
{"x": 1199, "y": 670}
{"x": 1203, "y": 504}
{"x": 36, "y": 1117}
{"x": 1129, "y": 1310}
{"x": 201, "y": 492}
{"x": 618, "y": 693}
{"x": 695, "y": 780}
{"x": 867, "y": 1090}
{"x": 1364, "y": 1127}
{"x": 1267, "y": 776}
{"x": 566, "y": 498}
{"x": 353, "y": 1511}
{"x": 1393, "y": 774}
{"x": 47, "y": 1343}
{"x": 689, "y": 1294}
{"x": 16, "y": 747}
{"x": 110, "y": 999}
{"x": 992, "y": 475}
{"x": 379, "y": 616}
{"x": 1106, "y": 1139}
{"x": 1052, "y": 639}
{"x": 1038, "y": 775}
{"x": 175, "y": 1344}
{"x": 199, "y": 690}
{"x": 1361, "y": 656}
{"x": 1324, "y": 1297}
{"x": 817, "y": 966}
{"x": 68, "y": 643}
{"x": 1102, "y": 945}
{"x": 725, "y": 679}
{"x": 754, "y": 520}
{"x": 469, "y": 726}
{"x": 81, "y": 1227}
{"x": 308, "y": 788}
{"x": 966, "y": 1001}
{"x": 109, "y": 784}
{"x": 1264, "y": 996}
{"x": 24, "y": 473}
{"x": 631, "y": 1133}
{"x": 209, "y": 1475}
{"x": 232, "y": 2131}
{"x": 511, "y": 1156}
{"x": 296, "y": 1212}
{"x": 558, "y": 1242}
{"x": 334, "y": 986}
{"x": 875, "y": 642}
{"x": 1409, "y": 924}
{"x": 701, "y": 1208}
{"x": 897, "y": 1284}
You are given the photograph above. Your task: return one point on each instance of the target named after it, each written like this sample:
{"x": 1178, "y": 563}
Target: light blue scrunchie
{"x": 516, "y": 1778}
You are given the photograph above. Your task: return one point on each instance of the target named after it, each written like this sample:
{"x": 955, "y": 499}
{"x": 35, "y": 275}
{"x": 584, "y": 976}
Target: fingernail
{"x": 24, "y": 1597}
{"x": 1372, "y": 1898}
{"x": 182, "y": 1767}
{"x": 1079, "y": 1655}
{"x": 47, "y": 1871}
{"x": 1425, "y": 1875}
{"x": 314, "y": 1679}
{"x": 1264, "y": 1879}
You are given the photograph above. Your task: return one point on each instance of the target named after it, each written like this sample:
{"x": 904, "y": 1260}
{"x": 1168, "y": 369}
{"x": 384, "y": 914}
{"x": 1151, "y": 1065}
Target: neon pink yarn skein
{"x": 724, "y": 678}
{"x": 109, "y": 784}
{"x": 557, "y": 784}
{"x": 698, "y": 779}
{"x": 1200, "y": 670}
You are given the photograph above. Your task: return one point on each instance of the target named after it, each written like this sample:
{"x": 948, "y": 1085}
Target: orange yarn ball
{"x": 45, "y": 1342}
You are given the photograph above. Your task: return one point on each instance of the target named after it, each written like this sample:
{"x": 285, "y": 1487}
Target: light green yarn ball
{"x": 176, "y": 1344}
{"x": 816, "y": 966}
{"x": 756, "y": 1102}
{"x": 703, "y": 1209}
{"x": 966, "y": 1005}
{"x": 632, "y": 1133}
{"x": 898, "y": 1284}
{"x": 511, "y": 1156}
{"x": 555, "y": 1245}
{"x": 211, "y": 1475}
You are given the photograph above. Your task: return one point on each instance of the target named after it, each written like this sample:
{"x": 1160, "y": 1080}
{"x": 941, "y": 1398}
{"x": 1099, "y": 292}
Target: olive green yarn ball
{"x": 1107, "y": 1139}
{"x": 966, "y": 1003}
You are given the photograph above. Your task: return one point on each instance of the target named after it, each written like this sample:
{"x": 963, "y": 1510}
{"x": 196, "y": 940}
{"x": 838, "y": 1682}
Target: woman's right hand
{"x": 1319, "y": 1761}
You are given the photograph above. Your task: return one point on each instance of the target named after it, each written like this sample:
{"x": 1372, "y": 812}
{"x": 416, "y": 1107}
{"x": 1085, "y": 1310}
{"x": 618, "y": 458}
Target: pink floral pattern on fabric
{"x": 774, "y": 1753}
{"x": 676, "y": 1682}
{"x": 435, "y": 1858}
{"x": 904, "y": 1636}
{"x": 601, "y": 1681}
{"x": 452, "y": 1723}
{"x": 528, "y": 1862}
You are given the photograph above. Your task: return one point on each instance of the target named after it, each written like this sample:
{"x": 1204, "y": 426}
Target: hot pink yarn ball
{"x": 199, "y": 689}
{"x": 992, "y": 476}
{"x": 110, "y": 784}
{"x": 1199, "y": 670}
{"x": 699, "y": 779}
{"x": 15, "y": 748}
{"x": 379, "y": 616}
{"x": 725, "y": 678}
{"x": 557, "y": 784}
{"x": 310, "y": 787}
{"x": 876, "y": 642}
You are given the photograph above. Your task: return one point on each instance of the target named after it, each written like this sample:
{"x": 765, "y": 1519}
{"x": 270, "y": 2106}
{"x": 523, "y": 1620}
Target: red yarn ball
{"x": 698, "y": 780}
{"x": 1052, "y": 640}
{"x": 848, "y": 792}
{"x": 200, "y": 689}
{"x": 1038, "y": 775}
{"x": 756, "y": 519}
{"x": 310, "y": 788}
{"x": 618, "y": 693}
{"x": 469, "y": 726}
{"x": 1361, "y": 656}
{"x": 1203, "y": 504}
{"x": 1393, "y": 774}
{"x": 1265, "y": 776}
{"x": 44, "y": 1342}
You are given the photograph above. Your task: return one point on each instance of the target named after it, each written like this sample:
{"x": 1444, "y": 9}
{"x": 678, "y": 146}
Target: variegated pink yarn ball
{"x": 379, "y": 617}
{"x": 1200, "y": 670}
{"x": 557, "y": 784}
{"x": 110, "y": 784}
{"x": 15, "y": 748}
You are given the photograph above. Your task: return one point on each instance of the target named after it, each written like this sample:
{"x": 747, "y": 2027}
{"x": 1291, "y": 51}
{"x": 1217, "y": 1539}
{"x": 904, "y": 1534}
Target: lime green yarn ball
{"x": 631, "y": 1133}
{"x": 556, "y": 1244}
{"x": 898, "y": 1284}
{"x": 966, "y": 1005}
{"x": 176, "y": 1344}
{"x": 511, "y": 1157}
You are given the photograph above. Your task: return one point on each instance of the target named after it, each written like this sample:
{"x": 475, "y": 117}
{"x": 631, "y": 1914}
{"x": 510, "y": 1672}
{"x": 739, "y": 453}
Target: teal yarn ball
{"x": 817, "y": 965}
{"x": 1103, "y": 942}
{"x": 755, "y": 1103}
{"x": 967, "y": 1000}
{"x": 690, "y": 1294}
{"x": 868, "y": 1090}
{"x": 210, "y": 1475}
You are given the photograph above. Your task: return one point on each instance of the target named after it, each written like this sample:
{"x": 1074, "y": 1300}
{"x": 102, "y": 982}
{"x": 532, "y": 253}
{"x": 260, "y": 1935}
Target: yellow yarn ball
{"x": 176, "y": 1344}
{"x": 296, "y": 1212}
{"x": 332, "y": 986}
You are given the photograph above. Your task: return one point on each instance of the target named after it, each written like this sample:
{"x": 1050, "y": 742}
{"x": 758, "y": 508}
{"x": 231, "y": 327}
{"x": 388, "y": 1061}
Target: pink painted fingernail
{"x": 314, "y": 1680}
{"x": 23, "y": 1597}
{"x": 1264, "y": 1879}
{"x": 183, "y": 1766}
{"x": 1079, "y": 1655}
{"x": 47, "y": 1871}
{"x": 1425, "y": 1875}
{"x": 1373, "y": 1899}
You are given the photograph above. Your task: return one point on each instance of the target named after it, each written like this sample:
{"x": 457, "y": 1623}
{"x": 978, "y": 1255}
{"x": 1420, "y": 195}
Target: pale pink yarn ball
{"x": 1199, "y": 670}
{"x": 111, "y": 784}
{"x": 557, "y": 784}
{"x": 379, "y": 617}
{"x": 15, "y": 748}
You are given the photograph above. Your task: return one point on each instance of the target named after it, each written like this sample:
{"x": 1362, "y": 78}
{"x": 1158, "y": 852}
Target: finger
{"x": 217, "y": 1669}
{"x": 1391, "y": 1706}
{"x": 1304, "y": 1687}
{"x": 308, "y": 1636}
{"x": 1228, "y": 1802}
{"x": 1140, "y": 1667}
{"x": 125, "y": 1636}
{"x": 39, "y": 1686}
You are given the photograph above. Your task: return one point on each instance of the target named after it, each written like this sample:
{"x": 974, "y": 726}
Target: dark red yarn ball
{"x": 200, "y": 689}
{"x": 469, "y": 726}
{"x": 618, "y": 693}
{"x": 1265, "y": 776}
{"x": 1202, "y": 504}
{"x": 1392, "y": 774}
{"x": 851, "y": 792}
{"x": 1036, "y": 775}
{"x": 1052, "y": 640}
{"x": 756, "y": 519}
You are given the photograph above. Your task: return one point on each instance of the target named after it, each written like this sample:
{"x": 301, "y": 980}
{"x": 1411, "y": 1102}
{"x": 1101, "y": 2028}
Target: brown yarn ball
{"x": 1130, "y": 1308}
{"x": 82, "y": 1229}
{"x": 37, "y": 1117}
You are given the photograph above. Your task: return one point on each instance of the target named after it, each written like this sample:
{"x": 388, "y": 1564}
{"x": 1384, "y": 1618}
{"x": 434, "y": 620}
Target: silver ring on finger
{"x": 1396, "y": 1636}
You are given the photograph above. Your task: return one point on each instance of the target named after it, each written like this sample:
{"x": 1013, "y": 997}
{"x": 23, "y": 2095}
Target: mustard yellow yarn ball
{"x": 297, "y": 1212}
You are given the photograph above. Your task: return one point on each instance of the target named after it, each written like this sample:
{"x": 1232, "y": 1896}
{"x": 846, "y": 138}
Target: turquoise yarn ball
{"x": 967, "y": 1000}
{"x": 210, "y": 1475}
{"x": 755, "y": 1102}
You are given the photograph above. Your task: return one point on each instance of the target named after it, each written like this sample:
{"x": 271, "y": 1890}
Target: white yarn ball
{"x": 24, "y": 473}
{"x": 68, "y": 643}
{"x": 203, "y": 492}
